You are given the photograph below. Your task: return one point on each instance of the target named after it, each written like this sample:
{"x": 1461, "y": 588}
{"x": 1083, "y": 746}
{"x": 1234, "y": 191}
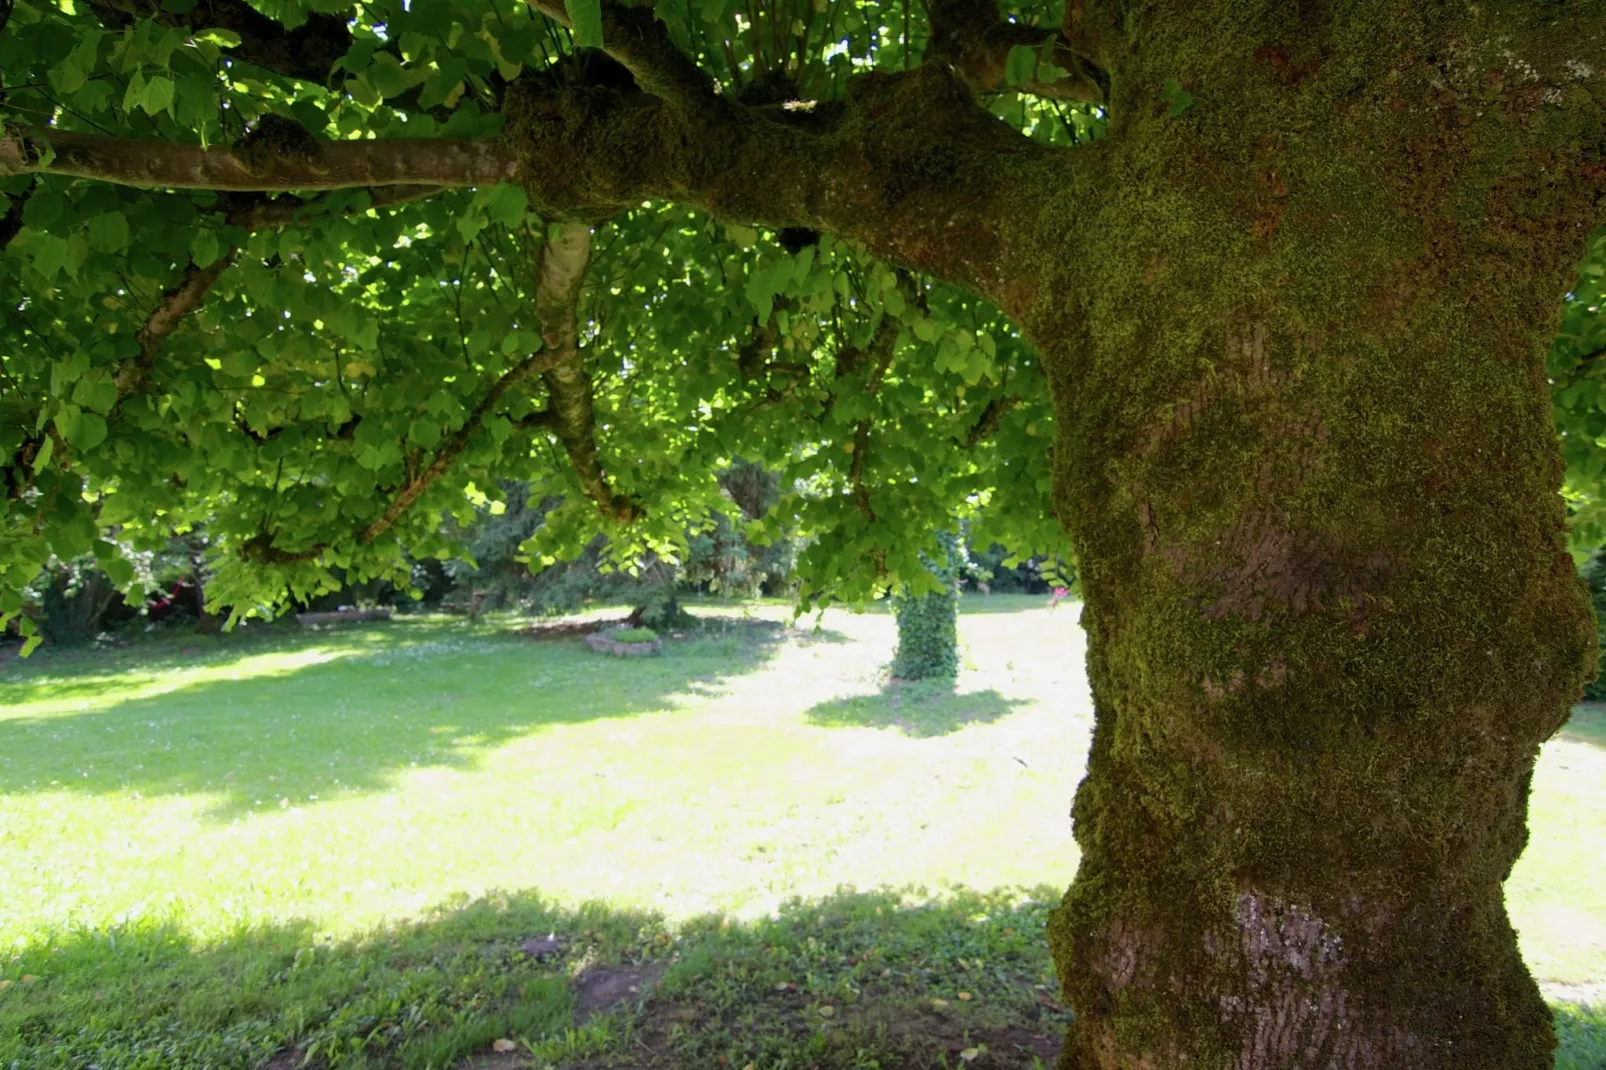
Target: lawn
{"x": 399, "y": 844}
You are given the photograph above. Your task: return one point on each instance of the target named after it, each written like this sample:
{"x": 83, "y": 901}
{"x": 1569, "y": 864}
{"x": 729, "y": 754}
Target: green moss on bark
{"x": 1306, "y": 457}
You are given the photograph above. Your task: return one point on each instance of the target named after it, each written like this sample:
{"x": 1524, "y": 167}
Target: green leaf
{"x": 205, "y": 248}
{"x": 223, "y": 38}
{"x": 108, "y": 233}
{"x": 424, "y": 433}
{"x": 98, "y": 394}
{"x": 120, "y": 571}
{"x": 507, "y": 204}
{"x": 135, "y": 93}
{"x": 89, "y": 432}
{"x": 760, "y": 294}
{"x": 585, "y": 20}
{"x": 158, "y": 95}
{"x": 1020, "y": 65}
{"x": 363, "y": 92}
{"x": 46, "y": 451}
{"x": 49, "y": 255}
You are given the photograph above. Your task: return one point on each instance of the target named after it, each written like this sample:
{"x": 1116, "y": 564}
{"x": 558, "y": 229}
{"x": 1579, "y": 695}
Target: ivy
{"x": 928, "y": 620}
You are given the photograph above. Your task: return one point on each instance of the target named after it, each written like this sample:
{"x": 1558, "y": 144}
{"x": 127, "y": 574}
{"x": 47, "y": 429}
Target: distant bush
{"x": 634, "y": 635}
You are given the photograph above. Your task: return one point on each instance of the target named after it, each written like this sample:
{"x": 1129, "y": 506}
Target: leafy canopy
{"x": 319, "y": 378}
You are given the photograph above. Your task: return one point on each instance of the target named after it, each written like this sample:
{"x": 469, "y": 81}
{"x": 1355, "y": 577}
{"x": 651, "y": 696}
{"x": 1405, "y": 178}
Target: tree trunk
{"x": 1306, "y": 457}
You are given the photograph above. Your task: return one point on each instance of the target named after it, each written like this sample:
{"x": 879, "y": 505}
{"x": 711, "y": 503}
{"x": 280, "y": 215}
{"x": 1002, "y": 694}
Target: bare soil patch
{"x": 603, "y": 988}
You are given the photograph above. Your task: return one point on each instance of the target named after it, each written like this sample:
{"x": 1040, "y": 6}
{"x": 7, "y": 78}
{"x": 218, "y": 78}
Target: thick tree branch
{"x": 316, "y": 165}
{"x": 907, "y": 167}
{"x": 639, "y": 42}
{"x": 560, "y": 275}
{"x": 309, "y": 52}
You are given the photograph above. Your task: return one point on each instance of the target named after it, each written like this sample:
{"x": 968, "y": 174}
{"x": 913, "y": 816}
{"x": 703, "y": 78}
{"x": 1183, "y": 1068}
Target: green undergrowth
{"x": 851, "y": 981}
{"x": 1581, "y": 1032}
{"x": 860, "y": 981}
{"x": 633, "y": 635}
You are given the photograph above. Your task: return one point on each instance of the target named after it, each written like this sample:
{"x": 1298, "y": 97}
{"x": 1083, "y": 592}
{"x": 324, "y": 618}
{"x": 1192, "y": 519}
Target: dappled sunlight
{"x": 49, "y": 695}
{"x": 345, "y": 790}
{"x": 359, "y": 789}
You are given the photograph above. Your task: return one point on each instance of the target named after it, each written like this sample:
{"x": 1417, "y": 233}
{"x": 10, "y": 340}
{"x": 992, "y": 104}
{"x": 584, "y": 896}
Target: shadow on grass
{"x": 1586, "y": 725}
{"x": 848, "y": 981}
{"x": 920, "y": 709}
{"x": 327, "y": 714}
{"x": 837, "y": 982}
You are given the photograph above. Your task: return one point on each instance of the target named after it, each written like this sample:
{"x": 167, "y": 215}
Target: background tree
{"x": 1290, "y": 304}
{"x": 928, "y": 618}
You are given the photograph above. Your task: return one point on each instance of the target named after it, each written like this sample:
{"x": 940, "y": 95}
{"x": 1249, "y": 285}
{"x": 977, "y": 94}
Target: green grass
{"x": 213, "y": 851}
{"x": 633, "y": 635}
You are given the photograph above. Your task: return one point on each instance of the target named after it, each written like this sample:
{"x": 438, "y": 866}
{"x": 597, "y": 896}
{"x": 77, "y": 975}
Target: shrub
{"x": 633, "y": 635}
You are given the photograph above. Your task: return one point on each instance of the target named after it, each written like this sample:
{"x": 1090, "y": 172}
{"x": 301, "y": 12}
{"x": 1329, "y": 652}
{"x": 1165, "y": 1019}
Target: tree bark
{"x": 1306, "y": 456}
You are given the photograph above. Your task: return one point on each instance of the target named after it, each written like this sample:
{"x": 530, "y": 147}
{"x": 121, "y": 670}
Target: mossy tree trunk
{"x": 1293, "y": 309}
{"x": 1306, "y": 456}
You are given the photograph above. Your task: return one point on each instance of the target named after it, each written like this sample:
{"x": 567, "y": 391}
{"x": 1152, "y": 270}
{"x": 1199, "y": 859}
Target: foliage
{"x": 1594, "y": 575}
{"x": 495, "y": 571}
{"x": 1577, "y": 368}
{"x": 928, "y": 632}
{"x": 633, "y": 635}
{"x": 319, "y": 381}
{"x": 1005, "y": 572}
{"x": 723, "y": 559}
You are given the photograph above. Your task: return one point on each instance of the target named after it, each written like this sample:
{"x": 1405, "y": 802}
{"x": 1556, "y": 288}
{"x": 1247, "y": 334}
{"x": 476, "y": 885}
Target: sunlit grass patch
{"x": 181, "y": 820}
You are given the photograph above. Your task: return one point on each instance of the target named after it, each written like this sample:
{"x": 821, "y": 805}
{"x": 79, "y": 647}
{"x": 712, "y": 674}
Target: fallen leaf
{"x": 28, "y": 978}
{"x": 4, "y": 985}
{"x": 940, "y": 1004}
{"x": 750, "y": 1066}
{"x": 827, "y": 1011}
{"x": 965, "y": 996}
{"x": 503, "y": 1045}
{"x": 785, "y": 986}
{"x": 970, "y": 1055}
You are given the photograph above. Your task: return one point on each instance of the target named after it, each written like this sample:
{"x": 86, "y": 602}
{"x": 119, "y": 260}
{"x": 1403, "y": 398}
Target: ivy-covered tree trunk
{"x": 928, "y": 623}
{"x": 1306, "y": 456}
